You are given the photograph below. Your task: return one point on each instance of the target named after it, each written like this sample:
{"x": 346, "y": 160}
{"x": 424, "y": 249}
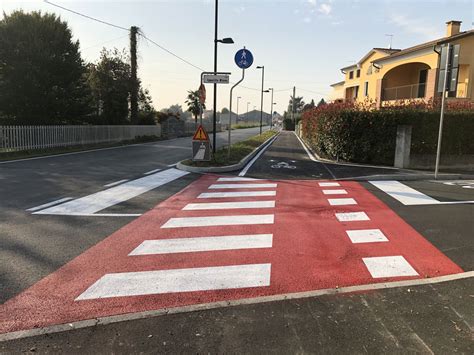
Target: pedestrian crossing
{"x": 201, "y": 278}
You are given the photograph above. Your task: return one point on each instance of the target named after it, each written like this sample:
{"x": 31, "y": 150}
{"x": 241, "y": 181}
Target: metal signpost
{"x": 243, "y": 59}
{"x": 201, "y": 145}
{"x": 447, "y": 82}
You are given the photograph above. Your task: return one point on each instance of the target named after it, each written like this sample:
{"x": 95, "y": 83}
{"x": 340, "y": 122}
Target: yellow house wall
{"x": 466, "y": 66}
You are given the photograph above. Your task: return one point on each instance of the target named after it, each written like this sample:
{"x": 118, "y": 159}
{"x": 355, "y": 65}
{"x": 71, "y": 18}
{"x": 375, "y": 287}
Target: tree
{"x": 225, "y": 111}
{"x": 41, "y": 71}
{"x": 193, "y": 103}
{"x": 321, "y": 102}
{"x": 146, "y": 111}
{"x": 299, "y": 104}
{"x": 110, "y": 83}
{"x": 309, "y": 106}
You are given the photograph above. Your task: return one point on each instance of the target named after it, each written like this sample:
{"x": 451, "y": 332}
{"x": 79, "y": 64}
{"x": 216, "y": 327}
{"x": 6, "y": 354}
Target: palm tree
{"x": 193, "y": 103}
{"x": 299, "y": 104}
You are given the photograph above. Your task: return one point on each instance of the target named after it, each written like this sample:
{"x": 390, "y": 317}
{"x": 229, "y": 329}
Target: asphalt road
{"x": 33, "y": 246}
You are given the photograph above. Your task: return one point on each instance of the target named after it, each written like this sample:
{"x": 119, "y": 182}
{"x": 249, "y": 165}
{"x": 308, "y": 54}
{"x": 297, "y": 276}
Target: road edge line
{"x": 232, "y": 303}
{"x": 251, "y": 162}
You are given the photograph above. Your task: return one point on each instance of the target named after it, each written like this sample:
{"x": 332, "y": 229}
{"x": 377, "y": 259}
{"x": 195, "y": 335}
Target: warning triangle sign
{"x": 200, "y": 134}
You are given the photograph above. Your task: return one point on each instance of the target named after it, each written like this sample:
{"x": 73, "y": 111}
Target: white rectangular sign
{"x": 216, "y": 79}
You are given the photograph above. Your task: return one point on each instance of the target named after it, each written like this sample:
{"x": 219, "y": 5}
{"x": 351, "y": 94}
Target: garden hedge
{"x": 356, "y": 133}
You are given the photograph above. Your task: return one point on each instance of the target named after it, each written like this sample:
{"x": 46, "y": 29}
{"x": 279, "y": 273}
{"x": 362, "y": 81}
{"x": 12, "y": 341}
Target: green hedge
{"x": 358, "y": 134}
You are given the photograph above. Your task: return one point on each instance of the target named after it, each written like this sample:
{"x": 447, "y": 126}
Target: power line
{"x": 86, "y": 16}
{"x": 100, "y": 44}
{"x": 313, "y": 92}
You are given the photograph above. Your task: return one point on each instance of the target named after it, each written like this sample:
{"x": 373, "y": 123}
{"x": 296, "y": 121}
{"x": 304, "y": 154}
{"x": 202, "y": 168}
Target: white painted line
{"x": 312, "y": 157}
{"x": 335, "y": 192}
{"x": 228, "y": 205}
{"x": 236, "y": 194}
{"x": 152, "y": 172}
{"x": 329, "y": 184}
{"x": 342, "y": 201}
{"x": 49, "y": 204}
{"x": 115, "y": 183}
{"x": 101, "y": 321}
{"x": 366, "y": 236}
{"x": 249, "y": 165}
{"x": 103, "y": 199}
{"x": 352, "y": 216}
{"x": 178, "y": 280}
{"x": 236, "y": 178}
{"x": 389, "y": 266}
{"x": 404, "y": 193}
{"x": 242, "y": 186}
{"x": 188, "y": 245}
{"x": 218, "y": 221}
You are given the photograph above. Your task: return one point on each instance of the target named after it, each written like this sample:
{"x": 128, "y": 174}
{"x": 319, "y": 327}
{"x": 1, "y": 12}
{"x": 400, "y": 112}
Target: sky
{"x": 301, "y": 43}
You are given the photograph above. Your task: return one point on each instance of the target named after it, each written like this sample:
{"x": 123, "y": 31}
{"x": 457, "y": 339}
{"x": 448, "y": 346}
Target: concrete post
{"x": 402, "y": 149}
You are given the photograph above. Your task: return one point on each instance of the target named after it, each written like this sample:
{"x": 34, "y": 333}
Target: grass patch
{"x": 243, "y": 126}
{"x": 5, "y": 156}
{"x": 237, "y": 153}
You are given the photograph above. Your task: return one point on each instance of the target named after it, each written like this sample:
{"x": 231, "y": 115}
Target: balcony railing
{"x": 404, "y": 92}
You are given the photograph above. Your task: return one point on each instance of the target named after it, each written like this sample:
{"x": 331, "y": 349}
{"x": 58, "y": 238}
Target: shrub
{"x": 360, "y": 133}
{"x": 288, "y": 124}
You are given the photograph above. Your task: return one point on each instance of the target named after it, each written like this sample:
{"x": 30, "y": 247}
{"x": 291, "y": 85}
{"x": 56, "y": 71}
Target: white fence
{"x": 17, "y": 138}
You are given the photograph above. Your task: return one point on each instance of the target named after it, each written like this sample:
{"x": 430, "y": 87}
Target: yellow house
{"x": 384, "y": 75}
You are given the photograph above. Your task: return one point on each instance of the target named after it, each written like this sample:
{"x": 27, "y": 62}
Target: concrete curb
{"x": 410, "y": 175}
{"x": 226, "y": 168}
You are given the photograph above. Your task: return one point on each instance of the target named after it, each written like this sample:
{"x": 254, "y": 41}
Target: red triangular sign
{"x": 200, "y": 134}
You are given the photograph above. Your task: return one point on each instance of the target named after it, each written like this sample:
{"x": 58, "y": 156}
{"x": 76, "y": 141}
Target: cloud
{"x": 325, "y": 9}
{"x": 312, "y": 2}
{"x": 307, "y": 19}
{"x": 415, "y": 26}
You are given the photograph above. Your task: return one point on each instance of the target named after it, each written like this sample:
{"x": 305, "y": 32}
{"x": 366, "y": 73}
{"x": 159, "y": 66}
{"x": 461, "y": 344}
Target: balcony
{"x": 404, "y": 92}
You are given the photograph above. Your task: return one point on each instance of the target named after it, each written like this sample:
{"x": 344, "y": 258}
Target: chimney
{"x": 453, "y": 28}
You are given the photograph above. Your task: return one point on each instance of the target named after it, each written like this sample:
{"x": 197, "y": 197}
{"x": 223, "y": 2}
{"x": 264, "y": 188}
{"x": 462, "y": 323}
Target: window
{"x": 358, "y": 73}
{"x": 366, "y": 88}
{"x": 356, "y": 92}
{"x": 351, "y": 75}
{"x": 369, "y": 70}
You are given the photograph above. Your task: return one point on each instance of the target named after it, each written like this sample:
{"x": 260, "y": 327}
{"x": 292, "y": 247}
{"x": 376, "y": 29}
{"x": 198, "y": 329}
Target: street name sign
{"x": 216, "y": 79}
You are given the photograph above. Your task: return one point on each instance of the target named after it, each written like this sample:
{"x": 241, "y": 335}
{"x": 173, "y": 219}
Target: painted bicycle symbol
{"x": 283, "y": 165}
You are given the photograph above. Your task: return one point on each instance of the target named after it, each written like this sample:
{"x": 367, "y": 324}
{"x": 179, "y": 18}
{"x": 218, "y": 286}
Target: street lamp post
{"x": 225, "y": 41}
{"x": 247, "y": 115}
{"x": 237, "y": 119}
{"x": 261, "y": 96}
{"x": 271, "y": 110}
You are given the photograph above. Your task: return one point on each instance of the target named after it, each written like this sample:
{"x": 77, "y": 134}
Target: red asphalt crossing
{"x": 230, "y": 238}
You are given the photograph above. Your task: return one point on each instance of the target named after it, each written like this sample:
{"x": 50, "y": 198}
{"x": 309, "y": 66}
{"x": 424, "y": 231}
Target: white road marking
{"x": 103, "y": 199}
{"x": 352, "y": 216}
{"x": 188, "y": 245}
{"x": 97, "y": 214}
{"x": 236, "y": 178}
{"x": 366, "y": 236}
{"x": 342, "y": 201}
{"x": 404, "y": 193}
{"x": 312, "y": 157}
{"x": 228, "y": 205}
{"x": 236, "y": 194}
{"x": 115, "y": 183}
{"x": 329, "y": 184}
{"x": 219, "y": 221}
{"x": 389, "y": 266}
{"x": 249, "y": 165}
{"x": 335, "y": 192}
{"x": 49, "y": 204}
{"x": 152, "y": 172}
{"x": 178, "y": 280}
{"x": 242, "y": 186}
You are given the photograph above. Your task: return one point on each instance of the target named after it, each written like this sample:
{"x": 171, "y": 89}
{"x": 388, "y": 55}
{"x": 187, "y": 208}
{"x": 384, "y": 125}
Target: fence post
{"x": 403, "y": 145}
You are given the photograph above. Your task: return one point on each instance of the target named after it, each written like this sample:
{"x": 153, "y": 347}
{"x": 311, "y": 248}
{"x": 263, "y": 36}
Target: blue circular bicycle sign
{"x": 243, "y": 58}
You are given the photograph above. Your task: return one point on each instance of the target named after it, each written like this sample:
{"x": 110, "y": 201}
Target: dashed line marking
{"x": 236, "y": 194}
{"x": 389, "y": 266}
{"x": 334, "y": 192}
{"x": 236, "y": 178}
{"x": 229, "y": 205}
{"x": 329, "y": 184}
{"x": 241, "y": 186}
{"x": 366, "y": 236}
{"x": 49, "y": 204}
{"x": 115, "y": 183}
{"x": 152, "y": 172}
{"x": 352, "y": 216}
{"x": 342, "y": 201}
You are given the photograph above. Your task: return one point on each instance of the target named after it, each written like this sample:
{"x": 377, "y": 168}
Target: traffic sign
{"x": 200, "y": 134}
{"x": 216, "y": 79}
{"x": 202, "y": 94}
{"x": 201, "y": 151}
{"x": 243, "y": 58}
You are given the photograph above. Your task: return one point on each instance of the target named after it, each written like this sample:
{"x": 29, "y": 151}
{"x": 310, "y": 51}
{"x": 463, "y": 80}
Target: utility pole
{"x": 238, "y": 98}
{"x": 271, "y": 110}
{"x": 133, "y": 78}
{"x": 261, "y": 96}
{"x": 247, "y": 114}
{"x": 293, "y": 104}
{"x": 214, "y": 119}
